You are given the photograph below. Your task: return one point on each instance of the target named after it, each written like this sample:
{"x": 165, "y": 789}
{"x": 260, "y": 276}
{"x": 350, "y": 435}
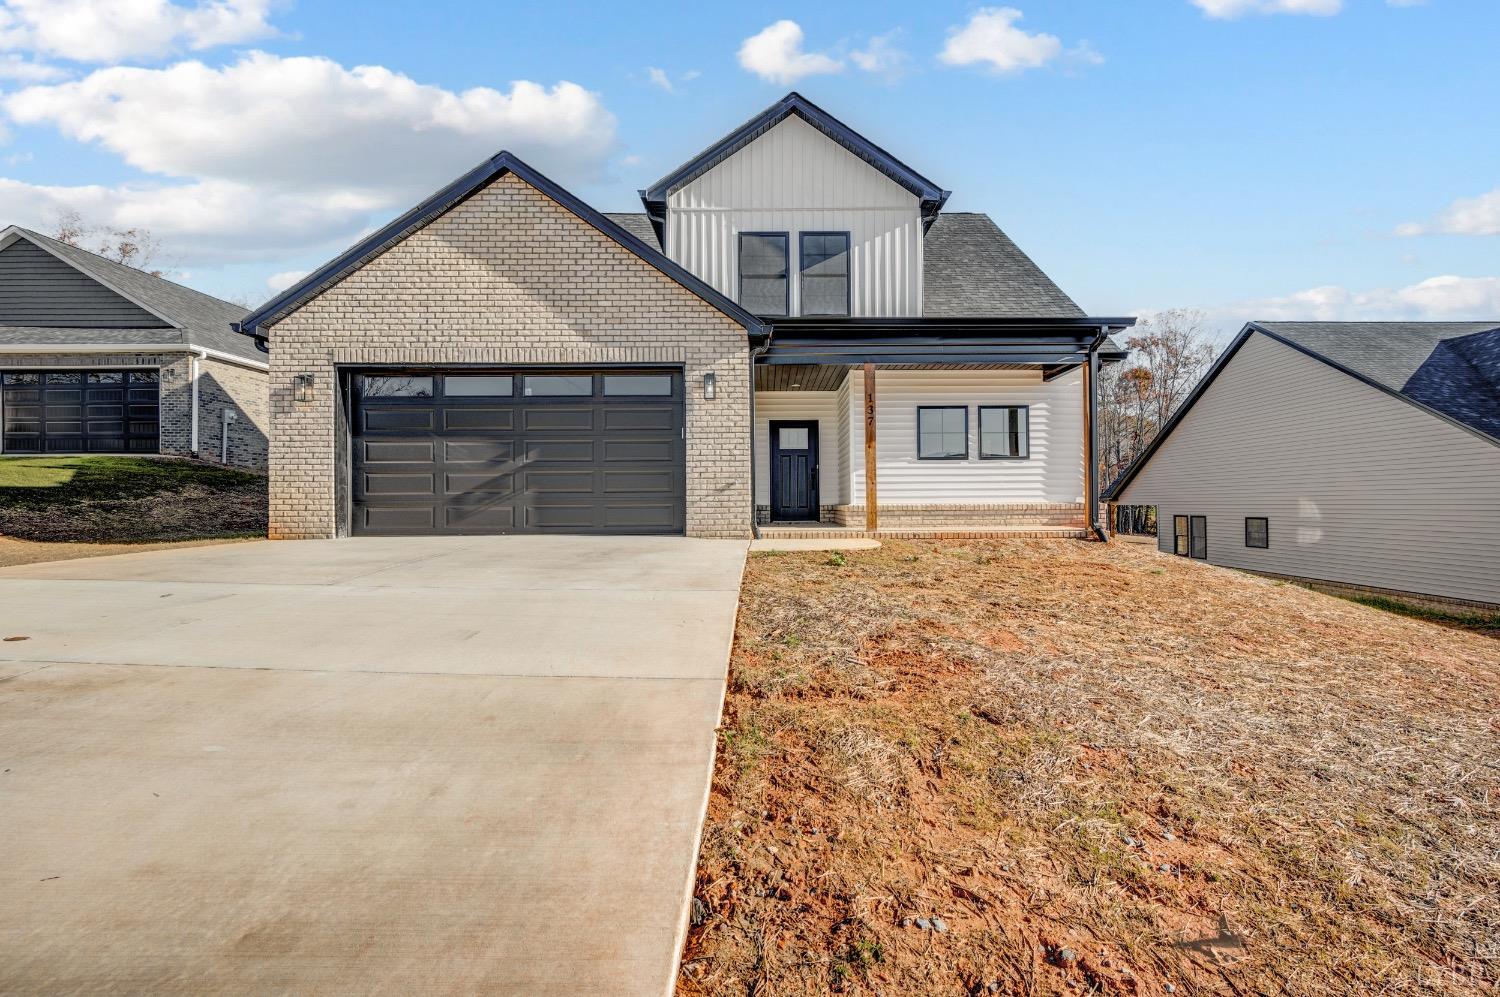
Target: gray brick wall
{"x": 219, "y": 384}
{"x": 225, "y": 386}
{"x": 508, "y": 277}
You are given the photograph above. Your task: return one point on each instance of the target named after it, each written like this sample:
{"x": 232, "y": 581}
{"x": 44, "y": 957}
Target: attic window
{"x": 763, "y": 272}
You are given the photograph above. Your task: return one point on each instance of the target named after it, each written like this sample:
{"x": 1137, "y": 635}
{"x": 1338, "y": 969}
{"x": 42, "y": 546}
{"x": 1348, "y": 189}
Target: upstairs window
{"x": 1004, "y": 432}
{"x": 763, "y": 272}
{"x": 824, "y": 261}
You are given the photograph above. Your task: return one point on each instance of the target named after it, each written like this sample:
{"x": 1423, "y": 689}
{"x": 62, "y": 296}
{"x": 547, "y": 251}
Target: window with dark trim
{"x": 764, "y": 287}
{"x": 1198, "y": 537}
{"x": 1180, "y": 536}
{"x": 1004, "y": 432}
{"x": 1257, "y": 532}
{"x": 942, "y": 432}
{"x": 823, "y": 261}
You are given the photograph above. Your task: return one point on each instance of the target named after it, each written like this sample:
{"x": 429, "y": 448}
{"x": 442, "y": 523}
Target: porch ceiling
{"x": 828, "y": 377}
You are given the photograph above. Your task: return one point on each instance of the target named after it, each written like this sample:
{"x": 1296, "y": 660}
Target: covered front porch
{"x": 936, "y": 428}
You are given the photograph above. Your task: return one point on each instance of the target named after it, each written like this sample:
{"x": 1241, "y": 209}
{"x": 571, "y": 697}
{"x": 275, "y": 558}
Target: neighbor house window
{"x": 107, "y": 377}
{"x": 1257, "y": 532}
{"x": 763, "y": 272}
{"x": 943, "y": 433}
{"x": 823, "y": 258}
{"x": 1180, "y": 536}
{"x": 1003, "y": 431}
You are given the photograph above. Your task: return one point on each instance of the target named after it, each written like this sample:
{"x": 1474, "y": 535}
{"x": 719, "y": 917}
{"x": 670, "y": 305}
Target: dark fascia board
{"x": 1129, "y": 474}
{"x": 448, "y": 197}
{"x": 1086, "y": 329}
{"x": 655, "y": 197}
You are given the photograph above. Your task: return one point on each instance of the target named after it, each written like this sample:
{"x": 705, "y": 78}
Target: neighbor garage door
{"x": 555, "y": 451}
{"x": 79, "y": 411}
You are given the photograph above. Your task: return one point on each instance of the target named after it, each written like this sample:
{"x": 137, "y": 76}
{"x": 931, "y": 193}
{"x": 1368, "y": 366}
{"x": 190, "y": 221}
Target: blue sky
{"x": 1254, "y": 158}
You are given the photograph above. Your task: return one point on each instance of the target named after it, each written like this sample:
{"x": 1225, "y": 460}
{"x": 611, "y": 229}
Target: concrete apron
{"x": 377, "y": 766}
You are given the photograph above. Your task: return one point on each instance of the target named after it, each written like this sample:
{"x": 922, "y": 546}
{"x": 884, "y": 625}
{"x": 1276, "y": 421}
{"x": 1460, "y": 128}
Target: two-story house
{"x": 792, "y": 332}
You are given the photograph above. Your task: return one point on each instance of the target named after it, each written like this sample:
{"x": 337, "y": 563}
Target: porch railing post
{"x": 872, "y": 515}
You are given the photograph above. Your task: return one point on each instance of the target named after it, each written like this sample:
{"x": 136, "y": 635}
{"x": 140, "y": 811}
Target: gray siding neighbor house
{"x": 791, "y": 336}
{"x": 100, "y": 358}
{"x": 1365, "y": 455}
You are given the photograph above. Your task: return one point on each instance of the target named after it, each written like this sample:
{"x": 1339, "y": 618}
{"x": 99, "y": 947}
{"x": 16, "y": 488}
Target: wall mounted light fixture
{"x": 302, "y": 388}
{"x": 708, "y": 385}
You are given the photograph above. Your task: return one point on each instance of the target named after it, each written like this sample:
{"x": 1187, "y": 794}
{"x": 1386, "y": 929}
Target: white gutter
{"x": 106, "y": 348}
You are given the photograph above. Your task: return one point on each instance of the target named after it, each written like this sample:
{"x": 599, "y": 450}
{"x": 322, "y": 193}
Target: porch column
{"x": 1090, "y": 444}
{"x": 872, "y": 516}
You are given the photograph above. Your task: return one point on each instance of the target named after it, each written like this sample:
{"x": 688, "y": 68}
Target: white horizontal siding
{"x": 795, "y": 179}
{"x": 1359, "y": 487}
{"x": 822, "y": 406}
{"x": 1053, "y": 472}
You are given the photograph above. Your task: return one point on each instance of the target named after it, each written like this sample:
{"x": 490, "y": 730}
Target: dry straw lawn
{"x": 1105, "y": 771}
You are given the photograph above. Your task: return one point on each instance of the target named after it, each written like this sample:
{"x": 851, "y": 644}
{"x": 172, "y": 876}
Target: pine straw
{"x": 1106, "y": 770}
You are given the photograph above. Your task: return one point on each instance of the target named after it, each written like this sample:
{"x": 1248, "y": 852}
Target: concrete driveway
{"x": 449, "y": 765}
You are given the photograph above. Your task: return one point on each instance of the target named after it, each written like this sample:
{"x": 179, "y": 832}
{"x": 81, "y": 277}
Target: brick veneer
{"x": 1017, "y": 515}
{"x": 508, "y": 276}
{"x": 221, "y": 386}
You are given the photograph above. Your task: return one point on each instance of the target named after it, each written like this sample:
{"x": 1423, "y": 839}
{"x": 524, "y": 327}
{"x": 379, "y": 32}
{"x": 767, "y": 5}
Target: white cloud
{"x": 659, "y": 77}
{"x": 991, "y": 37}
{"x": 309, "y": 121}
{"x": 14, "y": 67}
{"x": 1465, "y": 216}
{"x": 274, "y": 155}
{"x": 279, "y": 282}
{"x": 1445, "y": 297}
{"x": 776, "y": 55}
{"x": 881, "y": 56}
{"x": 112, "y": 30}
{"x": 1227, "y": 9}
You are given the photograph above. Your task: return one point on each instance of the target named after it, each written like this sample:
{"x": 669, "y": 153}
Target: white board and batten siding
{"x": 1359, "y": 487}
{"x": 819, "y": 406}
{"x": 1052, "y": 473}
{"x": 796, "y": 179}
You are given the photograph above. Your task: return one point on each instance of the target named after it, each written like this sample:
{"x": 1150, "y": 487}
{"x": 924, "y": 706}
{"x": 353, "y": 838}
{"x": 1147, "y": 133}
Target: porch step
{"x": 923, "y": 533}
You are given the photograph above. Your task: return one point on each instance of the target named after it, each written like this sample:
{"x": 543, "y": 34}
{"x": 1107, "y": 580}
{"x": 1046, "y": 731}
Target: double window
{"x": 823, "y": 272}
{"x": 1190, "y": 536}
{"x": 943, "y": 432}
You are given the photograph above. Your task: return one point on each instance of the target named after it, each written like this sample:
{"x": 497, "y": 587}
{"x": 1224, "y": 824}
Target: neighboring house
{"x": 100, "y": 358}
{"x": 1362, "y": 454}
{"x": 791, "y": 331}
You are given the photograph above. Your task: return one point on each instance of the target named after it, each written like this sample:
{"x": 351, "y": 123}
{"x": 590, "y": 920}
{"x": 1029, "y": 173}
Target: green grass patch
{"x": 109, "y": 499}
{"x": 1480, "y": 621}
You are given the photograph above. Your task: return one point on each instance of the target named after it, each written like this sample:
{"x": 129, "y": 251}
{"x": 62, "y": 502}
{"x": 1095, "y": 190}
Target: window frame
{"x": 1191, "y": 521}
{"x": 1180, "y": 533}
{"x": 786, "y": 287}
{"x": 1025, "y": 436}
{"x": 848, "y": 273}
{"x": 1266, "y": 534}
{"x": 941, "y": 408}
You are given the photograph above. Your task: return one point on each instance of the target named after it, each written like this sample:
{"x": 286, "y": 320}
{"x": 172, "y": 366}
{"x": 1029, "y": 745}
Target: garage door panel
{"x": 398, "y": 451}
{"x": 377, "y": 420}
{"x": 458, "y": 459}
{"x": 478, "y": 482}
{"x": 479, "y": 418}
{"x": 478, "y": 451}
{"x": 557, "y": 418}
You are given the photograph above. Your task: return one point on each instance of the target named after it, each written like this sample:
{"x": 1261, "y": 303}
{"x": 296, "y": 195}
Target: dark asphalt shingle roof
{"x": 1452, "y": 367}
{"x": 202, "y": 319}
{"x": 971, "y": 269}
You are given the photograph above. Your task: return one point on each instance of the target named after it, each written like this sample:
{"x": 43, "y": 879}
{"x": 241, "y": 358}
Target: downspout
{"x": 1091, "y": 495}
{"x": 197, "y": 357}
{"x": 755, "y": 353}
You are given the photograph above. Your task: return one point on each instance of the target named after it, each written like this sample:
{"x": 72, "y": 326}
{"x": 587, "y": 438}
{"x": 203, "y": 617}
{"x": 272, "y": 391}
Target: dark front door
{"x": 794, "y": 470}
{"x": 79, "y": 411}
{"x": 517, "y": 451}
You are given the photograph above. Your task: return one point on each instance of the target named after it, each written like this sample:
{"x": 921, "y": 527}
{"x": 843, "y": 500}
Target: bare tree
{"x": 134, "y": 247}
{"x": 1168, "y": 354}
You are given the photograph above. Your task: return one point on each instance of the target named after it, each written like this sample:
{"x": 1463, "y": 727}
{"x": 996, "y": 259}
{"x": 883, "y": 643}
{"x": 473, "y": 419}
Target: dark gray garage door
{"x": 555, "y": 451}
{"x": 79, "y": 411}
